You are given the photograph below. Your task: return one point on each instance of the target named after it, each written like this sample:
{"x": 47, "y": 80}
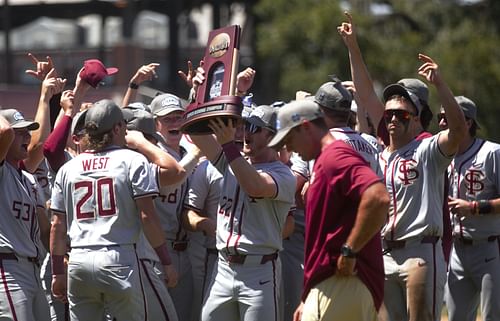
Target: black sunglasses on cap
{"x": 252, "y": 128}
{"x": 401, "y": 115}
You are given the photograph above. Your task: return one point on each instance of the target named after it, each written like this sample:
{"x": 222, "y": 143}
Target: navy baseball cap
{"x": 292, "y": 115}
{"x": 17, "y": 120}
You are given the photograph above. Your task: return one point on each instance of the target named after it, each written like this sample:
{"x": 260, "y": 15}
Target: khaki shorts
{"x": 339, "y": 298}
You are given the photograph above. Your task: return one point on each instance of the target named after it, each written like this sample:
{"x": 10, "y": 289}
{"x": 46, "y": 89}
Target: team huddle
{"x": 335, "y": 206}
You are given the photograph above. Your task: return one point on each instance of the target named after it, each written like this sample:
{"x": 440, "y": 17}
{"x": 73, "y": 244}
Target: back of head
{"x": 333, "y": 96}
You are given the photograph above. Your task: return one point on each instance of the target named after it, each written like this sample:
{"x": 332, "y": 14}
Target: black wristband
{"x": 484, "y": 207}
{"x": 133, "y": 85}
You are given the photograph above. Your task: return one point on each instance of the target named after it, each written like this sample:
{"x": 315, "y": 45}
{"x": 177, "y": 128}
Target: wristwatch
{"x": 347, "y": 251}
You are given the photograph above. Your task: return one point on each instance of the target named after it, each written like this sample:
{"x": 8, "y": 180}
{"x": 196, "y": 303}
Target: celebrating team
{"x": 141, "y": 227}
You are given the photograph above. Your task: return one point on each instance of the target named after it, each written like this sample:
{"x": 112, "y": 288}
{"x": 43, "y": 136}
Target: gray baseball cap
{"x": 397, "y": 89}
{"x": 16, "y": 119}
{"x": 139, "y": 105}
{"x": 292, "y": 115}
{"x": 263, "y": 116}
{"x": 104, "y": 114}
{"x": 78, "y": 122}
{"x": 165, "y": 104}
{"x": 144, "y": 122}
{"x": 334, "y": 96}
{"x": 416, "y": 86}
{"x": 468, "y": 107}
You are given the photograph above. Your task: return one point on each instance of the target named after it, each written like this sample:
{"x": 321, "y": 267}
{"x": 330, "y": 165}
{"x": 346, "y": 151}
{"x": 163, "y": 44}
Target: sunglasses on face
{"x": 401, "y": 115}
{"x": 441, "y": 116}
{"x": 251, "y": 128}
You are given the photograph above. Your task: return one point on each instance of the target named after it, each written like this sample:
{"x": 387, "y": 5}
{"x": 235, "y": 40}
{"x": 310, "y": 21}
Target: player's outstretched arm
{"x": 144, "y": 73}
{"x": 171, "y": 172}
{"x": 370, "y": 218}
{"x": 359, "y": 72}
{"x": 153, "y": 232}
{"x": 57, "y": 252}
{"x": 51, "y": 86}
{"x": 450, "y": 139}
{"x": 6, "y": 137}
{"x": 254, "y": 183}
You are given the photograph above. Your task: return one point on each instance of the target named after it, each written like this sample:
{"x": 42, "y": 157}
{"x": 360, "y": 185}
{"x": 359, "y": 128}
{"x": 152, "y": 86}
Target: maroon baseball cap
{"x": 94, "y": 72}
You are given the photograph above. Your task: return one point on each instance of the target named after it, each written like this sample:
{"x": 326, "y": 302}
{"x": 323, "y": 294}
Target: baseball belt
{"x": 12, "y": 256}
{"x": 467, "y": 241}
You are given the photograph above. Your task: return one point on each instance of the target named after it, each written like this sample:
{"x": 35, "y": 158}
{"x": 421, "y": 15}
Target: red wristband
{"x": 57, "y": 263}
{"x": 231, "y": 151}
{"x": 162, "y": 253}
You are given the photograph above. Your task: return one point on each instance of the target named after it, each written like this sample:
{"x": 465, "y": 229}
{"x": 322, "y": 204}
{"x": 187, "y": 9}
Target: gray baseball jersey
{"x": 203, "y": 198}
{"x": 359, "y": 144}
{"x": 169, "y": 205}
{"x": 97, "y": 192}
{"x": 248, "y": 225}
{"x": 474, "y": 273}
{"x": 21, "y": 295}
{"x": 246, "y": 283}
{"x": 415, "y": 169}
{"x": 414, "y": 177}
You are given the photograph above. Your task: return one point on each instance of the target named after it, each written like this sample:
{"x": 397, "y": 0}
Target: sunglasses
{"x": 401, "y": 115}
{"x": 441, "y": 116}
{"x": 251, "y": 128}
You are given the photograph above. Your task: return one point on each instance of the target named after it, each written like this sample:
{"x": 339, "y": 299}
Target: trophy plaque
{"x": 216, "y": 96}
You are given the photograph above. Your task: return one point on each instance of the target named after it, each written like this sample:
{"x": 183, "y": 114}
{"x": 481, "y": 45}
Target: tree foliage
{"x": 298, "y": 47}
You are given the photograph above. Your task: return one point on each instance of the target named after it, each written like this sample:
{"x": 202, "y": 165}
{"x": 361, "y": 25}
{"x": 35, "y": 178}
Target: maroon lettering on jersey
{"x": 408, "y": 171}
{"x": 95, "y": 163}
{"x": 473, "y": 181}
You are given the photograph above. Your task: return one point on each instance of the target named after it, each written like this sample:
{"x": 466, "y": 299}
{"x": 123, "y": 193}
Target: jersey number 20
{"x": 106, "y": 204}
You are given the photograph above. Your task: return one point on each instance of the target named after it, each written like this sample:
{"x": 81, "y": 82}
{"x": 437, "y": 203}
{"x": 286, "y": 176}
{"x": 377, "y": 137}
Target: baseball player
{"x": 414, "y": 262}
{"x": 474, "y": 270}
{"x": 200, "y": 214}
{"x": 256, "y": 197}
{"x": 168, "y": 111}
{"x": 23, "y": 225}
{"x": 101, "y": 197}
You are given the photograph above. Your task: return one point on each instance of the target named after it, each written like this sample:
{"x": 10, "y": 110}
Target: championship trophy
{"x": 216, "y": 96}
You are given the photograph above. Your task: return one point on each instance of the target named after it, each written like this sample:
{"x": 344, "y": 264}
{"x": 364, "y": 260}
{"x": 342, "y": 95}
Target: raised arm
{"x": 450, "y": 139}
{"x": 51, "y": 85}
{"x": 144, "y": 73}
{"x": 359, "y": 72}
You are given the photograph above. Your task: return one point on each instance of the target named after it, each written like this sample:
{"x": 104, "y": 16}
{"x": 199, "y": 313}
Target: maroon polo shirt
{"x": 339, "y": 178}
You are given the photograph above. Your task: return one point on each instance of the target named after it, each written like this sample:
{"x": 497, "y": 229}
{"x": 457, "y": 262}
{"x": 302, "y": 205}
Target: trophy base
{"x": 197, "y": 116}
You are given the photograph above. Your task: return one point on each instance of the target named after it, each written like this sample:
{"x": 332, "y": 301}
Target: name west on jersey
{"x": 95, "y": 163}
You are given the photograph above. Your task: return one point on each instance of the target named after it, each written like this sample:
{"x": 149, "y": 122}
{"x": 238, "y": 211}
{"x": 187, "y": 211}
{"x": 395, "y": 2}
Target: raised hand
{"x": 199, "y": 76}
{"x": 189, "y": 76}
{"x": 42, "y": 68}
{"x": 347, "y": 31}
{"x": 224, "y": 133}
{"x": 52, "y": 85}
{"x": 244, "y": 80}
{"x": 429, "y": 69}
{"x": 145, "y": 73}
{"x": 67, "y": 102}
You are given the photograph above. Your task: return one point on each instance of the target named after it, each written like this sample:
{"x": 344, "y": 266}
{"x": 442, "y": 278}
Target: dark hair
{"x": 320, "y": 123}
{"x": 96, "y": 141}
{"x": 338, "y": 116}
{"x": 472, "y": 128}
{"x": 426, "y": 115}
